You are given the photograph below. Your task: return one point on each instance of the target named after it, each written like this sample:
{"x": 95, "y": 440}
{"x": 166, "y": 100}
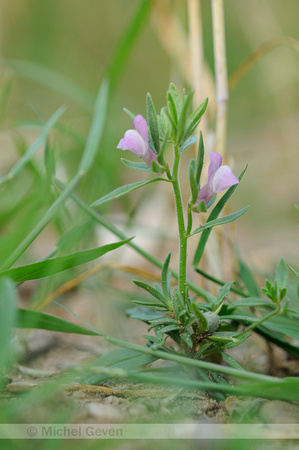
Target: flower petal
{"x": 133, "y": 141}
{"x": 216, "y": 161}
{"x": 205, "y": 194}
{"x": 223, "y": 179}
{"x": 140, "y": 125}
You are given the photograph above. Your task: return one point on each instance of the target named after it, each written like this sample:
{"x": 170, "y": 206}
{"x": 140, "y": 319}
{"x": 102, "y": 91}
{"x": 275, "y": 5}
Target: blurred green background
{"x": 77, "y": 40}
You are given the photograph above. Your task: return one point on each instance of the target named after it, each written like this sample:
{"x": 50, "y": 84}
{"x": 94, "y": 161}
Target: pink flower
{"x": 137, "y": 141}
{"x": 219, "y": 178}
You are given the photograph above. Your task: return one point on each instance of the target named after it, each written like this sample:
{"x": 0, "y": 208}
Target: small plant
{"x": 195, "y": 326}
{"x": 187, "y": 324}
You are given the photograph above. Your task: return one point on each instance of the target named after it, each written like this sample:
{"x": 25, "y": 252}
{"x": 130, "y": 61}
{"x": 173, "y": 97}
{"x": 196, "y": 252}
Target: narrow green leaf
{"x": 148, "y": 303}
{"x": 190, "y": 141}
{"x": 240, "y": 317}
{"x": 242, "y": 338}
{"x": 214, "y": 214}
{"x": 52, "y": 266}
{"x": 160, "y": 157}
{"x": 182, "y": 118}
{"x": 221, "y": 221}
{"x": 144, "y": 314}
{"x": 224, "y": 336}
{"x": 119, "y": 192}
{"x": 152, "y": 339}
{"x": 152, "y": 122}
{"x": 35, "y": 319}
{"x": 200, "y": 158}
{"x": 295, "y": 272}
{"x": 230, "y": 360}
{"x": 96, "y": 128}
{"x": 165, "y": 278}
{"x": 172, "y": 112}
{"x": 193, "y": 184}
{"x": 47, "y": 217}
{"x": 284, "y": 325}
{"x": 187, "y": 339}
{"x": 21, "y": 163}
{"x": 164, "y": 123}
{"x": 250, "y": 301}
{"x": 49, "y": 162}
{"x": 195, "y": 118}
{"x": 201, "y": 320}
{"x": 8, "y": 302}
{"x": 224, "y": 291}
{"x": 135, "y": 165}
{"x": 162, "y": 320}
{"x": 167, "y": 329}
{"x": 52, "y": 80}
{"x": 176, "y": 99}
{"x": 282, "y": 274}
{"x": 130, "y": 114}
{"x": 152, "y": 291}
{"x": 248, "y": 280}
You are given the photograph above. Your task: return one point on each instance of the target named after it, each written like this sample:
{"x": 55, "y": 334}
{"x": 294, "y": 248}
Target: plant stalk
{"x": 181, "y": 226}
{"x": 221, "y": 74}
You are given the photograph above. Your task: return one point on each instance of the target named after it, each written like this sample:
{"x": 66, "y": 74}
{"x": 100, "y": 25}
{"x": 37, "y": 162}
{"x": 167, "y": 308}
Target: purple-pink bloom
{"x": 219, "y": 178}
{"x": 137, "y": 141}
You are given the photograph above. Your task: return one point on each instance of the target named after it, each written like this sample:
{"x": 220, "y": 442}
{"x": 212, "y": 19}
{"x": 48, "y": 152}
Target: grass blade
{"x": 21, "y": 163}
{"x": 52, "y": 266}
{"x": 36, "y": 319}
{"x": 8, "y": 301}
{"x": 96, "y": 129}
{"x": 119, "y": 192}
{"x": 50, "y": 79}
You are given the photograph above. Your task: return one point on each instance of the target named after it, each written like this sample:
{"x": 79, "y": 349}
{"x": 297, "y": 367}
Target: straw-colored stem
{"x": 221, "y": 74}
{"x": 196, "y": 52}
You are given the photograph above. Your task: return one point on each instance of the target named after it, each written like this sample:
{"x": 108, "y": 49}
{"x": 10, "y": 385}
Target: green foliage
{"x": 222, "y": 221}
{"x": 52, "y": 266}
{"x": 35, "y": 319}
{"x": 152, "y": 121}
{"x": 119, "y": 192}
{"x": 8, "y": 302}
{"x": 135, "y": 165}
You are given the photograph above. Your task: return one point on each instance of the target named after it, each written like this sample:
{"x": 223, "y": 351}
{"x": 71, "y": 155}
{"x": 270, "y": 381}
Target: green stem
{"x": 271, "y": 314}
{"x": 181, "y": 225}
{"x": 192, "y": 362}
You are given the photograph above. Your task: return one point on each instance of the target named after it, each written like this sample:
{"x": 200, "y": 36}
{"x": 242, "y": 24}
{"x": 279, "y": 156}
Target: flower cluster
{"x": 220, "y": 177}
